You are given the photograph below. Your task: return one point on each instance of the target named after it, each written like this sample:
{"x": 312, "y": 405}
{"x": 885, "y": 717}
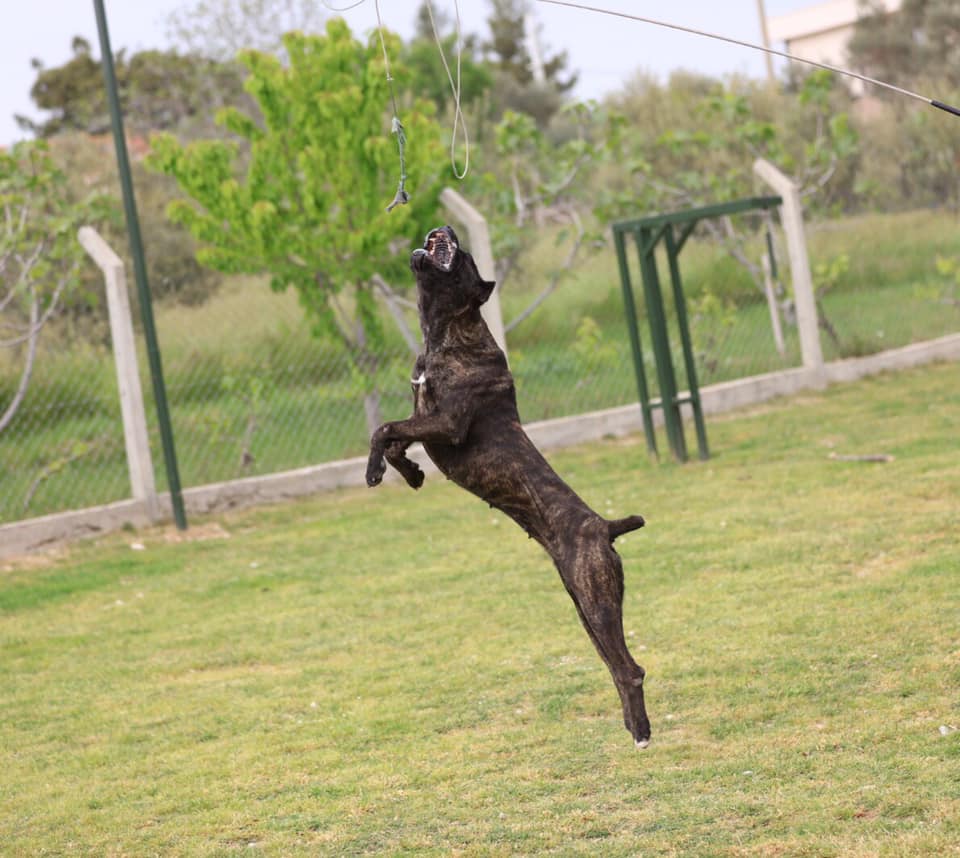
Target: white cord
{"x": 326, "y": 5}
{"x": 458, "y": 119}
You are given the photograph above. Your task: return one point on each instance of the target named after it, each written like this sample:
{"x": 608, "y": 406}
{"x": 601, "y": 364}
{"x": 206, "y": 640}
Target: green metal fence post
{"x": 140, "y": 270}
{"x": 661, "y": 343}
{"x": 680, "y": 304}
{"x": 633, "y": 330}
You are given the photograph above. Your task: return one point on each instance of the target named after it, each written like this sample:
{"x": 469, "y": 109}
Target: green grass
{"x": 390, "y": 673}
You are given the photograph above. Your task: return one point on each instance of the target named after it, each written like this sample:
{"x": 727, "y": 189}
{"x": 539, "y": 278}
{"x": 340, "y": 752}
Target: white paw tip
{"x": 642, "y": 744}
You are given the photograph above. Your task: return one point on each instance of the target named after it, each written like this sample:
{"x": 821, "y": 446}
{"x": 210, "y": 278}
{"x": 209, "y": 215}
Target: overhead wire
{"x": 940, "y": 105}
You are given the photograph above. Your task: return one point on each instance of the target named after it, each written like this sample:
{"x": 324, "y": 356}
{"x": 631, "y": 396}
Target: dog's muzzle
{"x": 440, "y": 248}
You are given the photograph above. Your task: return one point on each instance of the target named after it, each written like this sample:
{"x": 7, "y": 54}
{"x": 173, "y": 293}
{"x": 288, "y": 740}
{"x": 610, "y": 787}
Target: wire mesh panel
{"x": 885, "y": 280}
{"x": 64, "y": 447}
{"x": 254, "y": 391}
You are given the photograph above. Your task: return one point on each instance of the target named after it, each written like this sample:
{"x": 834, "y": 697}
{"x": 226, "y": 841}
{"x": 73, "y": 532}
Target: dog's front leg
{"x": 441, "y": 427}
{"x": 396, "y": 455}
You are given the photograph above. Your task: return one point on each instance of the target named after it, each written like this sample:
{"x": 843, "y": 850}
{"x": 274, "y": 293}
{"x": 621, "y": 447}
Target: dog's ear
{"x": 482, "y": 290}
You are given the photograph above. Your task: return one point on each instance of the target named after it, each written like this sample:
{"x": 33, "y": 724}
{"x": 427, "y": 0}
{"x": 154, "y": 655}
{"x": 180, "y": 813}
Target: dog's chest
{"x": 439, "y": 379}
{"x": 423, "y": 399}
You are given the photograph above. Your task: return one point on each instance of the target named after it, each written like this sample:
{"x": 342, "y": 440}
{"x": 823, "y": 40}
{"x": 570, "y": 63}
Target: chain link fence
{"x": 252, "y": 391}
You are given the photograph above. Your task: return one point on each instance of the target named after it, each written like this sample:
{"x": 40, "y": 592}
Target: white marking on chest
{"x": 421, "y": 379}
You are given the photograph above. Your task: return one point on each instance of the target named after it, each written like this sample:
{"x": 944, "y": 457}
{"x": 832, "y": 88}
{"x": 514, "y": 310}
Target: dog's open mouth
{"x": 440, "y": 248}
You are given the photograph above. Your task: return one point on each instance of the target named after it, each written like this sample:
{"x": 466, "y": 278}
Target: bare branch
{"x": 393, "y": 301}
{"x": 27, "y": 367}
{"x": 558, "y": 274}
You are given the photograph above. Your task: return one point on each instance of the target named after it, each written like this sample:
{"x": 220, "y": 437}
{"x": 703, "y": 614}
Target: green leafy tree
{"x": 174, "y": 273}
{"x": 158, "y": 90}
{"x": 708, "y": 157}
{"x": 40, "y": 256}
{"x": 304, "y": 199}
{"x": 423, "y": 60}
{"x": 911, "y": 157}
{"x": 533, "y": 180}
{"x": 222, "y": 28}
{"x": 917, "y": 41}
{"x": 516, "y": 87}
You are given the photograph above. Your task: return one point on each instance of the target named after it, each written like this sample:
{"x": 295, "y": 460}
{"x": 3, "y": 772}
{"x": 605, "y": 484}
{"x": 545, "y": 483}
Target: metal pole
{"x": 633, "y": 329}
{"x": 140, "y": 270}
{"x": 646, "y": 242}
{"x": 765, "y": 34}
{"x": 680, "y": 305}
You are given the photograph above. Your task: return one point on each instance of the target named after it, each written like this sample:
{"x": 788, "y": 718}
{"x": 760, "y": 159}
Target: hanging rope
{"x": 458, "y": 120}
{"x": 396, "y": 126}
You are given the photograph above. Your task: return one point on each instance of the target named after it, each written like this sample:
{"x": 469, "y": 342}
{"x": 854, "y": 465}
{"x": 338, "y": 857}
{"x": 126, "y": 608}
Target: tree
{"x": 306, "y": 203}
{"x": 532, "y": 181}
{"x": 912, "y": 157}
{"x": 918, "y": 41}
{"x": 517, "y": 87}
{"x": 422, "y": 58}
{"x": 175, "y": 276}
{"x": 40, "y": 257}
{"x": 158, "y": 90}
{"x": 705, "y": 155}
{"x": 222, "y": 28}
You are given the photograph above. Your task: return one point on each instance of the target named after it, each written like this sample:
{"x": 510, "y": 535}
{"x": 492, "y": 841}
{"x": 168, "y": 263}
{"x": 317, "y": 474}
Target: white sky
{"x": 605, "y": 50}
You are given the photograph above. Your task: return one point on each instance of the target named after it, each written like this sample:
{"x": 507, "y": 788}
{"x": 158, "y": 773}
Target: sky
{"x": 606, "y": 51}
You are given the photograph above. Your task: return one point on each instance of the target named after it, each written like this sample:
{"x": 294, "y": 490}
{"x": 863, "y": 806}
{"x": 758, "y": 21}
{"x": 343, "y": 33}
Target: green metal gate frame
{"x": 673, "y": 229}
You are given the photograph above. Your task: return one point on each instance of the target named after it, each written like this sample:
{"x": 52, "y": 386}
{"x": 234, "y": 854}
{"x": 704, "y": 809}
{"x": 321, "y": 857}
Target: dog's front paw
{"x": 376, "y": 468}
{"x": 414, "y": 476}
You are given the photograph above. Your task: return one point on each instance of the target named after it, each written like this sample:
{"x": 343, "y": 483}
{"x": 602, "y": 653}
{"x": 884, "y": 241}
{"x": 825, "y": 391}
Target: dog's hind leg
{"x": 593, "y": 576}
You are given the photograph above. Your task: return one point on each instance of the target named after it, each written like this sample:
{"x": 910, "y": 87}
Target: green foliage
{"x": 303, "y": 199}
{"x": 157, "y": 89}
{"x": 173, "y": 271}
{"x": 904, "y": 46}
{"x": 829, "y": 273}
{"x": 507, "y": 52}
{"x": 948, "y": 269}
{"x": 40, "y": 257}
{"x": 534, "y": 176}
{"x": 424, "y": 63}
{"x": 711, "y": 320}
{"x": 702, "y": 149}
{"x": 595, "y": 352}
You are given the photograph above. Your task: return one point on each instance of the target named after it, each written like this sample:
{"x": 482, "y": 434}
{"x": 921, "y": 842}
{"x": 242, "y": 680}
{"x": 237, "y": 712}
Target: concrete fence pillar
{"x": 482, "y": 252}
{"x": 139, "y": 462}
{"x": 791, "y": 216}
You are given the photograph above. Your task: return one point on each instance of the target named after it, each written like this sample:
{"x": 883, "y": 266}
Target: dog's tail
{"x": 621, "y": 526}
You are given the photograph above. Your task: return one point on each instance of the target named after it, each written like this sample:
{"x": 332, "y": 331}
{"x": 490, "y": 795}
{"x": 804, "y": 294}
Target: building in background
{"x": 822, "y": 32}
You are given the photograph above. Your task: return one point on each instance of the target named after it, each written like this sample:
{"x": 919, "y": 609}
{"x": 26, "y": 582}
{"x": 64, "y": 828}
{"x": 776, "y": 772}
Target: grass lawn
{"x": 390, "y": 673}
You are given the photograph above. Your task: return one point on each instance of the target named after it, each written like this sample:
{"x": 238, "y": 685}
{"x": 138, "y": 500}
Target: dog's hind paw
{"x": 376, "y": 468}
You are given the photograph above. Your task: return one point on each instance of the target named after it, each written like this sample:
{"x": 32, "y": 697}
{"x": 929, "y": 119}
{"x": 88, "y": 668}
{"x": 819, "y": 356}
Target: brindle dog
{"x": 465, "y": 414}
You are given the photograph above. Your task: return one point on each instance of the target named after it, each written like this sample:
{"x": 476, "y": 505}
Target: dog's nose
{"x": 447, "y": 232}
